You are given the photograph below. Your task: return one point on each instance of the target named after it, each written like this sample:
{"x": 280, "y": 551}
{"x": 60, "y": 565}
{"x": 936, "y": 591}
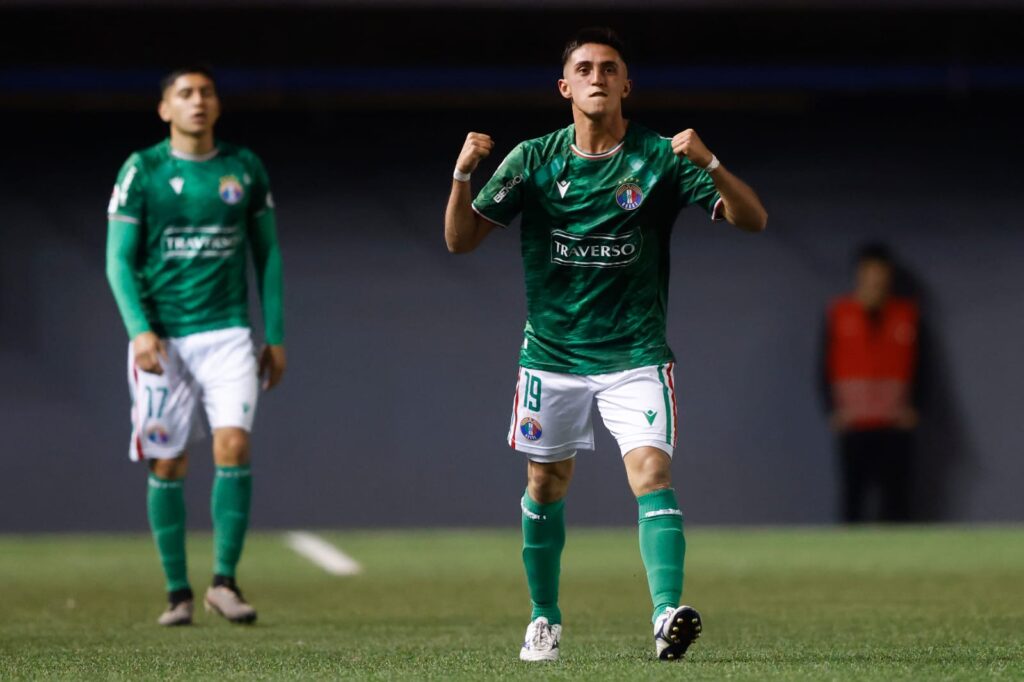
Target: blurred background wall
{"x": 892, "y": 121}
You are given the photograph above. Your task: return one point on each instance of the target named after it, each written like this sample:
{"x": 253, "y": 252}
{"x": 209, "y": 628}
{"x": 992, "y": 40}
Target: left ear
{"x": 627, "y": 89}
{"x": 564, "y": 88}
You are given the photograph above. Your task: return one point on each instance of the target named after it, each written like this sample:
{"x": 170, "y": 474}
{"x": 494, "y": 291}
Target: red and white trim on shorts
{"x": 675, "y": 408}
{"x": 515, "y": 411}
{"x": 138, "y": 421}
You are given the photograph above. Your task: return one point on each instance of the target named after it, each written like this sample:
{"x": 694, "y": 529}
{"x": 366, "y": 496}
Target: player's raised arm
{"x": 742, "y": 207}
{"x": 464, "y": 229}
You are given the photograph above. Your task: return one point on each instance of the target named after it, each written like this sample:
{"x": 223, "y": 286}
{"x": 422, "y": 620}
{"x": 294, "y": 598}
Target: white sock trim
{"x": 662, "y": 512}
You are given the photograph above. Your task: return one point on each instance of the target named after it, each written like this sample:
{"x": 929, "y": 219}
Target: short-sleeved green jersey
{"x": 194, "y": 214}
{"x": 595, "y": 243}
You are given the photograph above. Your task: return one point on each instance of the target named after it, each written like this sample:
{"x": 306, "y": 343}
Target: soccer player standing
{"x": 598, "y": 200}
{"x": 181, "y": 221}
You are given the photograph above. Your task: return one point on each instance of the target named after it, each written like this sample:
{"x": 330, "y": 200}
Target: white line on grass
{"x": 322, "y": 553}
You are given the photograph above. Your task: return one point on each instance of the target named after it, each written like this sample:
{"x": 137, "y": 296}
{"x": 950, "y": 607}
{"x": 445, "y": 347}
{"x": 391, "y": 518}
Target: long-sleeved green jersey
{"x": 178, "y": 233}
{"x": 595, "y": 242}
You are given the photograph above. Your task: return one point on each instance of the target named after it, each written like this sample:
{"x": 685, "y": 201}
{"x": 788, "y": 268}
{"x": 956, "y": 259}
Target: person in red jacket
{"x": 871, "y": 387}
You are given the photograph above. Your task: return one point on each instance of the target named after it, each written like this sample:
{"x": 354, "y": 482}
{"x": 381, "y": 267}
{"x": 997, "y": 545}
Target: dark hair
{"x": 602, "y": 35}
{"x": 168, "y": 80}
{"x": 873, "y": 251}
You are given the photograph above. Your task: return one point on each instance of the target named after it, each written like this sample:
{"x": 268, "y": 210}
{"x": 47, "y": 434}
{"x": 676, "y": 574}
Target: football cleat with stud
{"x": 541, "y": 641}
{"x": 674, "y": 631}
{"x": 227, "y": 601}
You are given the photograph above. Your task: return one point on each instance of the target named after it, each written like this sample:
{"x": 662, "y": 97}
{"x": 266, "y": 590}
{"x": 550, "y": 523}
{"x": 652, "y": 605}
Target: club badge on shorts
{"x": 230, "y": 190}
{"x": 629, "y": 196}
{"x": 157, "y": 435}
{"x": 530, "y": 428}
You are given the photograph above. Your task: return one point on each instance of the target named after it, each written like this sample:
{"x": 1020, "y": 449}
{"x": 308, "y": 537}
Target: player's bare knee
{"x": 169, "y": 469}
{"x": 231, "y": 447}
{"x": 549, "y": 482}
{"x": 648, "y": 470}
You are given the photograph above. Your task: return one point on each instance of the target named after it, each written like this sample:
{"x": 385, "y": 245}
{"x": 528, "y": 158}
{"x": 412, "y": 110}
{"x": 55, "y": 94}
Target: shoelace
{"x": 542, "y": 637}
{"x": 664, "y": 620}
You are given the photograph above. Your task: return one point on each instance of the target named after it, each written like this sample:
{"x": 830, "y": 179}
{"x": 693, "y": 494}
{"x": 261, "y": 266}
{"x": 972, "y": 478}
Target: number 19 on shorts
{"x": 531, "y": 392}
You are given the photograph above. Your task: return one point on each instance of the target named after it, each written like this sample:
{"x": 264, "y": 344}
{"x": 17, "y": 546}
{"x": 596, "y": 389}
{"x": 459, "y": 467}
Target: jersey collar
{"x": 192, "y": 157}
{"x": 590, "y": 156}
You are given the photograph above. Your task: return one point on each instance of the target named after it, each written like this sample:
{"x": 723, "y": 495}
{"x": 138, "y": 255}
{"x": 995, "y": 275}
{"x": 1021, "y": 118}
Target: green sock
{"x": 543, "y": 540}
{"x": 229, "y": 504}
{"x": 165, "y": 505}
{"x": 662, "y": 547}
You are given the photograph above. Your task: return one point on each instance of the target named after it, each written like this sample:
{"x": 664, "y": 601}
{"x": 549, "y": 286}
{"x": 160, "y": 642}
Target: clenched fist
{"x": 689, "y": 144}
{"x": 477, "y": 148}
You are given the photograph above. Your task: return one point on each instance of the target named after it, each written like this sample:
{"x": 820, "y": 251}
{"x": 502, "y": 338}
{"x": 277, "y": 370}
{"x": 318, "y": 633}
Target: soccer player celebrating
{"x": 182, "y": 218}
{"x": 598, "y": 200}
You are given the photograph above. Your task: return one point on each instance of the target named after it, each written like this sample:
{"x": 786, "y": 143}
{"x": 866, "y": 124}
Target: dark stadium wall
{"x": 402, "y": 357}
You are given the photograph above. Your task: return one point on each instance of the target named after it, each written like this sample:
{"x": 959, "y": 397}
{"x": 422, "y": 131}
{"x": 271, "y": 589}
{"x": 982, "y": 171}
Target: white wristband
{"x": 715, "y": 163}
{"x": 460, "y": 176}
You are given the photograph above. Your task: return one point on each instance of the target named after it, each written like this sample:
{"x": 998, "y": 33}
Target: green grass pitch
{"x": 800, "y": 604}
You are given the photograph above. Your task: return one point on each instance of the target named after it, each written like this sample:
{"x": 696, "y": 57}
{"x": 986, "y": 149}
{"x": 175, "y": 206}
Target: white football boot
{"x": 541, "y": 642}
{"x": 177, "y": 614}
{"x": 229, "y": 603}
{"x": 675, "y": 630}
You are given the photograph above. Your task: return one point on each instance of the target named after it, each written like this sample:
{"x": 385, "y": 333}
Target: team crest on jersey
{"x": 157, "y": 435}
{"x": 230, "y": 190}
{"x": 530, "y": 428}
{"x": 629, "y": 196}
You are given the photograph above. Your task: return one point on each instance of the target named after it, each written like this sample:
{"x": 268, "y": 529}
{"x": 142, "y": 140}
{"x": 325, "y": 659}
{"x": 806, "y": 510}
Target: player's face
{"x": 191, "y": 105}
{"x": 595, "y": 79}
{"x": 874, "y": 280}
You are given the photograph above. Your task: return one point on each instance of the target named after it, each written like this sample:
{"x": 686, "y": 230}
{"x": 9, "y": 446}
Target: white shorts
{"x": 551, "y": 418}
{"x": 217, "y": 367}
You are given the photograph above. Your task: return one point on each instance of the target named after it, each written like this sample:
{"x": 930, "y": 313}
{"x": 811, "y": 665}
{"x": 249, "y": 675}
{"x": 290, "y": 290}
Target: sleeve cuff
{"x": 718, "y": 211}
{"x": 490, "y": 220}
{"x": 136, "y": 328}
{"x": 121, "y": 218}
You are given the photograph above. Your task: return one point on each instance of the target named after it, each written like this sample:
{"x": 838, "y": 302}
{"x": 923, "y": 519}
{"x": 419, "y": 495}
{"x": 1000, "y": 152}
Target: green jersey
{"x": 595, "y": 242}
{"x": 179, "y": 231}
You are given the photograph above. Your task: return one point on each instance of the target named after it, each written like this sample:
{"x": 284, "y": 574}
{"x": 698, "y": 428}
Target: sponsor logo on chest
{"x": 595, "y": 250}
{"x": 214, "y": 241}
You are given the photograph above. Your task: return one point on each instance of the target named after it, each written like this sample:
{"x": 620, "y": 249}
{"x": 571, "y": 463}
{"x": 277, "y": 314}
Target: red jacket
{"x": 871, "y": 362}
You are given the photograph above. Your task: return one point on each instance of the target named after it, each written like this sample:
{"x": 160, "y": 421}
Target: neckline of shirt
{"x": 185, "y": 156}
{"x": 599, "y": 156}
{"x": 591, "y": 156}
